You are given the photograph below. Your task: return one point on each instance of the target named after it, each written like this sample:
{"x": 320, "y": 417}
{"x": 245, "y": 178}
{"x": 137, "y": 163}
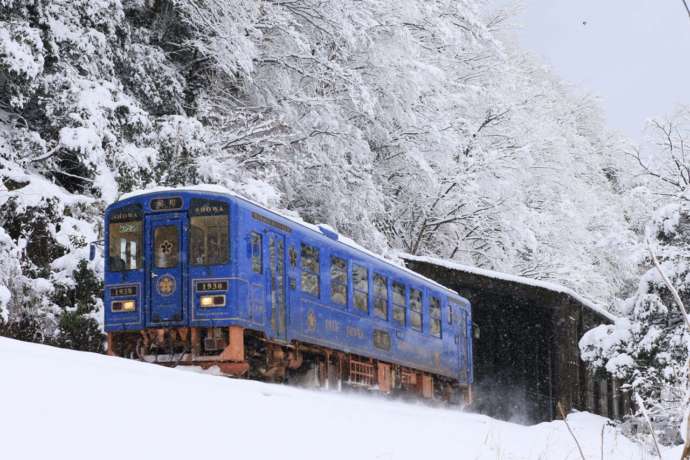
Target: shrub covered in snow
{"x": 93, "y": 103}
{"x": 649, "y": 348}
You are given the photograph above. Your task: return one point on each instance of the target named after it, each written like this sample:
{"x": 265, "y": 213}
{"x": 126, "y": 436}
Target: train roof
{"x": 319, "y": 229}
{"x": 554, "y": 287}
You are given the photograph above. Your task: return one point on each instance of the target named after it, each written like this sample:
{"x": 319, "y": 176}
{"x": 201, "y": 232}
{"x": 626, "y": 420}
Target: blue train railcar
{"x": 204, "y": 278}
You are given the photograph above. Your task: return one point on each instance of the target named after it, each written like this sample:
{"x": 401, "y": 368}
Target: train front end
{"x": 168, "y": 276}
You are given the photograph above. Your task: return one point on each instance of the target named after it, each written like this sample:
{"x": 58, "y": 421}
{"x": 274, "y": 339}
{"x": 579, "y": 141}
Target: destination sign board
{"x": 166, "y": 204}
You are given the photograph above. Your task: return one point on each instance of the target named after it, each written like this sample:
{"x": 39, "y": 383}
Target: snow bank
{"x": 71, "y": 405}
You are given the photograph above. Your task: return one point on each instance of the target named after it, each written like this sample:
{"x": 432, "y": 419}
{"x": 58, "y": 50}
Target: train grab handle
{"x": 92, "y": 248}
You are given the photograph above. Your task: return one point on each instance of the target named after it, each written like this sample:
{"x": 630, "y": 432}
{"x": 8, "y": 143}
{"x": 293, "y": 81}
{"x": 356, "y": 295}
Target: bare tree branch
{"x": 685, "y": 3}
{"x": 686, "y": 450}
{"x": 46, "y": 155}
{"x": 648, "y": 170}
{"x": 565, "y": 420}
{"x": 649, "y": 423}
{"x": 669, "y": 285}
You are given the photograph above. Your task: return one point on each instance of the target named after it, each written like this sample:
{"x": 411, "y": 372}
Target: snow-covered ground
{"x": 60, "y": 404}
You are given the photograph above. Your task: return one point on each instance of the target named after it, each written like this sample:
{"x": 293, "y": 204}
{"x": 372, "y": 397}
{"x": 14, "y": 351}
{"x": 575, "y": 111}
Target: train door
{"x": 277, "y": 315}
{"x": 166, "y": 267}
{"x": 257, "y": 277}
{"x": 461, "y": 340}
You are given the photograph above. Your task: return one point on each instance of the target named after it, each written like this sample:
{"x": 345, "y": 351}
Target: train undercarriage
{"x": 237, "y": 352}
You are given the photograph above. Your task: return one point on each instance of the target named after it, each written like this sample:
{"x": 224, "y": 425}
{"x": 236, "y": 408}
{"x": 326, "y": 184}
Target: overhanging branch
{"x": 687, "y": 9}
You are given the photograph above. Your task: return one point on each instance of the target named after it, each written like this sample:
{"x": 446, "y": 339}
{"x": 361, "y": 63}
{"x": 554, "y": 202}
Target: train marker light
{"x": 210, "y": 301}
{"x": 123, "y": 305}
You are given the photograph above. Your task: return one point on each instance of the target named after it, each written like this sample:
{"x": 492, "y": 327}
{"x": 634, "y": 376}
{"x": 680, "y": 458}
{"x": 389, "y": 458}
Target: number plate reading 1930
{"x": 166, "y": 204}
{"x": 122, "y": 291}
{"x": 205, "y": 286}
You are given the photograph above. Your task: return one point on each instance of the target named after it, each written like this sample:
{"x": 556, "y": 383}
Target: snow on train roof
{"x": 219, "y": 189}
{"x": 515, "y": 279}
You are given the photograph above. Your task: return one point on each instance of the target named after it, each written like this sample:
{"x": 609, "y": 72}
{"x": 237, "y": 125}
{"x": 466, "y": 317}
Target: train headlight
{"x": 210, "y": 301}
{"x": 123, "y": 305}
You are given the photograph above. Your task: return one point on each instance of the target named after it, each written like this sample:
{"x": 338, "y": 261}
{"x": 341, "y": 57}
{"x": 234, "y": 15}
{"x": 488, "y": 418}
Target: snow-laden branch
{"x": 686, "y": 450}
{"x": 641, "y": 404}
{"x": 670, "y": 286}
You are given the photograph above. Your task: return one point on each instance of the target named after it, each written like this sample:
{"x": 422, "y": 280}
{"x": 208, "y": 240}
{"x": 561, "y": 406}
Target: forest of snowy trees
{"x": 421, "y": 129}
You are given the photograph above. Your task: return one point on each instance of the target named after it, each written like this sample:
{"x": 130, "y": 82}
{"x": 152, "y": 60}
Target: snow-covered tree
{"x": 94, "y": 102}
{"x": 648, "y": 347}
{"x": 416, "y": 128}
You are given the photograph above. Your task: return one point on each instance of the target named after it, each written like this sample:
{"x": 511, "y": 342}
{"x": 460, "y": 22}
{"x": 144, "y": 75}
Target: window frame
{"x": 190, "y": 238}
{"x": 332, "y": 280}
{"x": 177, "y": 257}
{"x": 252, "y": 255}
{"x": 131, "y": 214}
{"x": 413, "y": 312}
{"x": 356, "y": 291}
{"x": 139, "y": 248}
{"x": 435, "y": 320}
{"x": 305, "y": 271}
{"x": 403, "y": 306}
{"x": 378, "y": 297}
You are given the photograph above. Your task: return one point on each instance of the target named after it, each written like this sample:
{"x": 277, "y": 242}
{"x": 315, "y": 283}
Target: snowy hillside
{"x": 74, "y": 405}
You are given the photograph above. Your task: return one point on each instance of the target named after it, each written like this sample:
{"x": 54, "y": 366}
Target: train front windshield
{"x": 209, "y": 232}
{"x": 126, "y": 243}
{"x": 209, "y": 240}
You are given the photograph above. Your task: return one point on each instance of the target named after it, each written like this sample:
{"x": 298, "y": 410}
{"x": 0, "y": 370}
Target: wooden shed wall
{"x": 527, "y": 356}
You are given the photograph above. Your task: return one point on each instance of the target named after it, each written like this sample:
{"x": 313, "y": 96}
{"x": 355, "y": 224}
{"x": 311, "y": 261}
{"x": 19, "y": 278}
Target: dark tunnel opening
{"x": 526, "y": 356}
{"x": 513, "y": 362}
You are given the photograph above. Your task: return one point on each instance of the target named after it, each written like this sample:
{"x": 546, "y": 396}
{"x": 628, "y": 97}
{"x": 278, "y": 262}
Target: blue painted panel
{"x": 135, "y": 277}
{"x": 123, "y": 321}
{"x": 203, "y": 278}
{"x": 166, "y": 263}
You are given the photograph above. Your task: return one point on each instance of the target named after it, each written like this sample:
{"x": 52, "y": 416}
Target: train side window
{"x": 338, "y": 280}
{"x": 380, "y": 296}
{"x": 454, "y": 313}
{"x": 310, "y": 270}
{"x": 257, "y": 253}
{"x": 399, "y": 303}
{"x": 360, "y": 279}
{"x": 416, "y": 309}
{"x": 292, "y": 253}
{"x": 435, "y": 316}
